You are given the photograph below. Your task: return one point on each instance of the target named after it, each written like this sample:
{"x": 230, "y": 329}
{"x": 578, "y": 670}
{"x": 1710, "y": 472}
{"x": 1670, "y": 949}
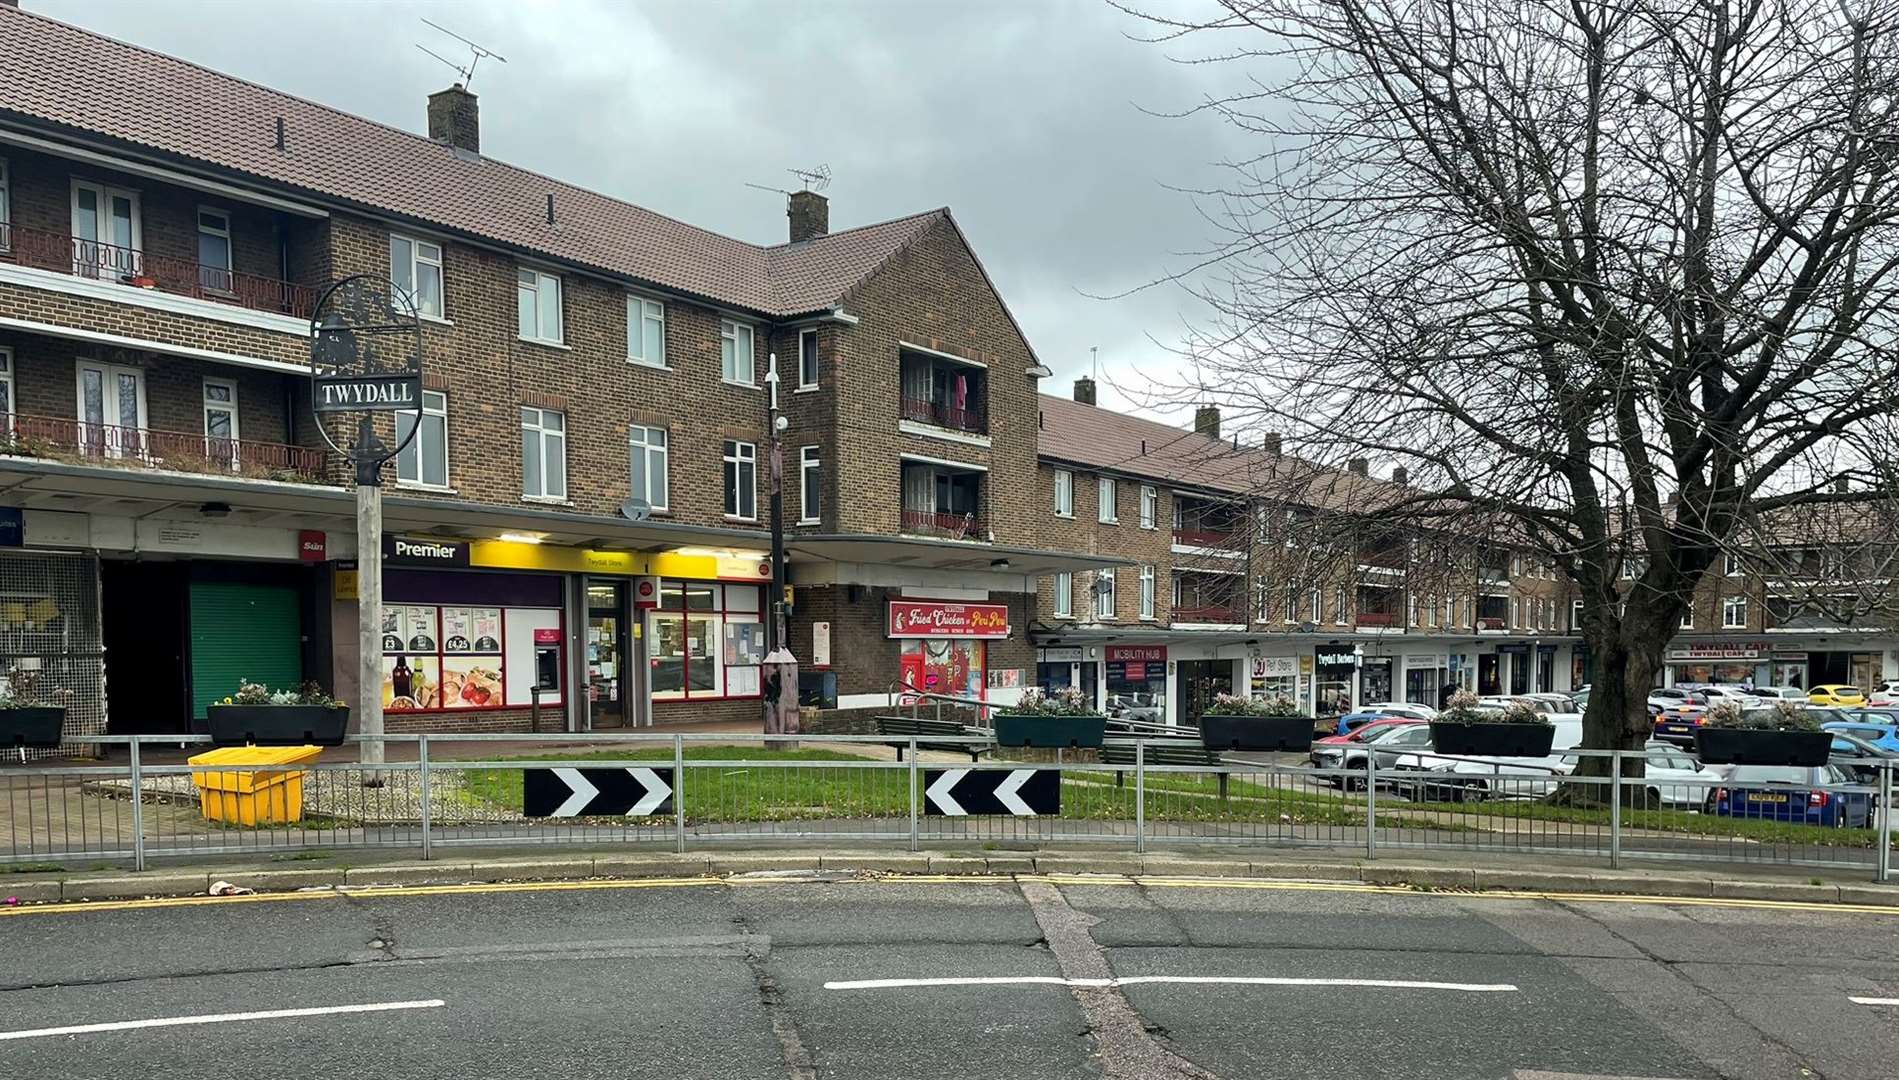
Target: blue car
{"x": 1877, "y": 726}
{"x": 1352, "y": 721}
{"x": 1793, "y": 793}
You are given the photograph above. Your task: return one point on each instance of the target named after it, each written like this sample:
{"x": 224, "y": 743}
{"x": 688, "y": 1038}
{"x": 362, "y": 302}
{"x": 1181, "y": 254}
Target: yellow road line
{"x": 476, "y": 889}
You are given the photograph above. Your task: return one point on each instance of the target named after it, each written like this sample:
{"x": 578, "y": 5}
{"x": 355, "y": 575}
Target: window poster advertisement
{"x": 393, "y": 618}
{"x": 418, "y": 629}
{"x": 471, "y": 682}
{"x": 471, "y": 630}
{"x": 411, "y": 682}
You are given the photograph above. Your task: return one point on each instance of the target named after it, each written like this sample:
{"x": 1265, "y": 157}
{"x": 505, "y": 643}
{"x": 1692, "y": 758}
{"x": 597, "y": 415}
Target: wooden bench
{"x": 1123, "y": 754}
{"x": 929, "y": 735}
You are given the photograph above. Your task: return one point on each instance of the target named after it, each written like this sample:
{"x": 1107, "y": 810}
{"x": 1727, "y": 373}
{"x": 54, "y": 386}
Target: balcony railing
{"x": 112, "y": 444}
{"x": 1200, "y": 537}
{"x": 1379, "y": 618}
{"x": 1491, "y": 624}
{"x": 965, "y": 526}
{"x": 970, "y": 418}
{"x": 66, "y": 254}
{"x": 1215, "y": 614}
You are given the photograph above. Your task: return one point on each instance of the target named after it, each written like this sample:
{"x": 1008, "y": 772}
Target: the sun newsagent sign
{"x": 938, "y": 618}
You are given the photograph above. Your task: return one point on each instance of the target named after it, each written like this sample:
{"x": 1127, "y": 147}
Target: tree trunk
{"x": 1617, "y": 717}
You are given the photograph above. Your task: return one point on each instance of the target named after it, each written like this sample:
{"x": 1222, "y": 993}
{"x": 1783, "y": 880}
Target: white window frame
{"x": 1341, "y": 603}
{"x": 1064, "y": 599}
{"x": 810, "y": 485}
{"x": 641, "y": 310}
{"x": 542, "y": 286}
{"x": 1734, "y": 613}
{"x": 1575, "y": 614}
{"x": 6, "y": 209}
{"x": 1150, "y": 506}
{"x": 220, "y": 406}
{"x": 434, "y": 403}
{"x": 1105, "y": 584}
{"x": 6, "y": 380}
{"x": 1107, "y": 510}
{"x": 1411, "y": 609}
{"x": 417, "y": 260}
{"x": 1147, "y": 592}
{"x": 539, "y": 425}
{"x": 230, "y": 248}
{"x": 808, "y": 380}
{"x": 109, "y": 377}
{"x": 102, "y": 196}
{"x": 729, "y": 330}
{"x": 1687, "y": 618}
{"x": 1318, "y": 604}
{"x": 1064, "y": 493}
{"x": 739, "y": 456}
{"x": 640, "y": 444}
{"x": 1730, "y": 564}
{"x": 1292, "y": 604}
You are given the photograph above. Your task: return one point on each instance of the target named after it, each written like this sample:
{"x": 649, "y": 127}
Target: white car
{"x": 1667, "y": 762}
{"x": 1782, "y": 693}
{"x": 1732, "y": 693}
{"x": 1400, "y": 708}
{"x": 1441, "y": 778}
{"x": 1547, "y": 704}
{"x": 1886, "y": 693}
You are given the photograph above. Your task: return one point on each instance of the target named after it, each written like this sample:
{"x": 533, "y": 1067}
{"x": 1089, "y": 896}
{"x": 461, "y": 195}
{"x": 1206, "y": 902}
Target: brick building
{"x": 583, "y": 503}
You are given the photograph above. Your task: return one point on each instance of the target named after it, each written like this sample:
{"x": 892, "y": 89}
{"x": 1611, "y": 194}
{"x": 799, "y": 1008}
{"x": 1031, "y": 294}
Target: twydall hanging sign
{"x": 366, "y": 361}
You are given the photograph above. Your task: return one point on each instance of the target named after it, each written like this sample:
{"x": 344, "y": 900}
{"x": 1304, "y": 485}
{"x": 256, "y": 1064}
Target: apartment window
{"x": 1147, "y": 592}
{"x": 1575, "y": 614}
{"x": 1411, "y": 611}
{"x": 1338, "y": 605}
{"x": 1150, "y": 505}
{"x": 1105, "y": 508}
{"x": 1688, "y": 618}
{"x": 1064, "y": 596}
{"x": 6, "y": 387}
{"x": 543, "y": 453}
{"x": 6, "y": 210}
{"x": 645, "y": 332}
{"x": 1731, "y": 564}
{"x": 220, "y": 421}
{"x": 807, "y": 359}
{"x": 416, "y": 267}
{"x": 1318, "y": 605}
{"x": 1516, "y": 613}
{"x": 647, "y": 457}
{"x": 741, "y": 479}
{"x": 424, "y": 460}
{"x": 107, "y": 235}
{"x": 1516, "y": 566}
{"x": 537, "y": 302}
{"x": 1734, "y": 613}
{"x": 1444, "y": 618}
{"x": 1064, "y": 493}
{"x": 1292, "y": 603}
{"x": 1262, "y": 594}
{"x": 735, "y": 353}
{"x": 809, "y": 488}
{"x": 214, "y": 250}
{"x": 1104, "y": 594}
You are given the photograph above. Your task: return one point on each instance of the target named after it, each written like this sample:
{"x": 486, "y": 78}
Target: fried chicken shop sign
{"x": 938, "y": 618}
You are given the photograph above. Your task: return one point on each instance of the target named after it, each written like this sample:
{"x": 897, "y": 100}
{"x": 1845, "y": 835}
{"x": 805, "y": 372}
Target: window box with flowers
{"x": 1234, "y": 722}
{"x": 258, "y": 716}
{"x": 1784, "y": 733}
{"x": 1517, "y": 730}
{"x": 29, "y": 717}
{"x": 1061, "y": 719}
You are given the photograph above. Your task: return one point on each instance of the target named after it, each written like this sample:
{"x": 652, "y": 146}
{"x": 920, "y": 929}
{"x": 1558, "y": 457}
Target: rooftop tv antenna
{"x": 479, "y": 54}
{"x": 814, "y": 180}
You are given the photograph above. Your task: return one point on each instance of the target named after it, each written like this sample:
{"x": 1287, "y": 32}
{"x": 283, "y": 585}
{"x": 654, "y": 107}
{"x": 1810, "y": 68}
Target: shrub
{"x": 252, "y": 693}
{"x": 1240, "y": 705}
{"x": 1779, "y": 716}
{"x": 1068, "y": 701}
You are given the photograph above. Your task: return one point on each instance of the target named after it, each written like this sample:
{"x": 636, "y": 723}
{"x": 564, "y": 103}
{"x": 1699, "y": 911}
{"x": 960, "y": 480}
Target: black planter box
{"x": 1745, "y": 746}
{"x": 276, "y": 725}
{"x": 1292, "y": 733}
{"x": 1020, "y": 729}
{"x": 31, "y": 725}
{"x": 1492, "y": 740}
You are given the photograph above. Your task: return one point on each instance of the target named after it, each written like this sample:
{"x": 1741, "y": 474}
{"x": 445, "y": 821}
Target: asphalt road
{"x": 765, "y": 980}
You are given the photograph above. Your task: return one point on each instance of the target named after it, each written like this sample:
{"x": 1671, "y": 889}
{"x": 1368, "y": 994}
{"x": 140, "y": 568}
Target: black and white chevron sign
{"x": 1019, "y": 792}
{"x": 596, "y": 792}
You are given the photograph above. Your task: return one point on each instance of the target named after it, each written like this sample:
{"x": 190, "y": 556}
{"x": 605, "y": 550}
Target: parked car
{"x": 1351, "y": 721}
{"x": 1666, "y": 762}
{"x": 1877, "y": 726}
{"x": 1886, "y": 693}
{"x": 1793, "y": 793}
{"x": 1782, "y": 693}
{"x": 1836, "y": 694}
{"x": 1860, "y": 759}
{"x": 1431, "y": 777}
{"x": 1400, "y": 708}
{"x": 1390, "y": 741}
{"x": 1678, "y": 721}
{"x": 1546, "y": 704}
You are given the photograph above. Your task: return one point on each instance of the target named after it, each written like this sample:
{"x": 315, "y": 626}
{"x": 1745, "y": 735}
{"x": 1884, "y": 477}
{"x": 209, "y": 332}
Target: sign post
{"x": 365, "y": 362}
{"x": 780, "y": 675}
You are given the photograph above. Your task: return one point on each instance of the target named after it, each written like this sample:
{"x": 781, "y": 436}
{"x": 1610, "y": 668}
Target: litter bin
{"x": 230, "y": 792}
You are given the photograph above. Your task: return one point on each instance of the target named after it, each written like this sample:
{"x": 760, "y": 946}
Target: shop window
{"x": 415, "y": 266}
{"x": 424, "y": 461}
{"x": 537, "y": 306}
{"x": 543, "y": 453}
{"x": 707, "y": 640}
{"x": 647, "y": 458}
{"x": 741, "y": 480}
{"x": 955, "y": 667}
{"x": 442, "y": 658}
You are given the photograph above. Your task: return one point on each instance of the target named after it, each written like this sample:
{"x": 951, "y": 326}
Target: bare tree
{"x": 1613, "y": 279}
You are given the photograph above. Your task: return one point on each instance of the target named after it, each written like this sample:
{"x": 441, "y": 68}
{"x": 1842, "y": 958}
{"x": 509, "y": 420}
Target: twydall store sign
{"x": 937, "y": 618}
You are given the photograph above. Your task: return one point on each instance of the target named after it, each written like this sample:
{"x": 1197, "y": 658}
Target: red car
{"x": 1365, "y": 731}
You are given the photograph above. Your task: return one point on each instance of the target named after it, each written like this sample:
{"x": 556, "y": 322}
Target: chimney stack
{"x": 1085, "y": 390}
{"x": 1359, "y": 465}
{"x": 454, "y": 119}
{"x": 810, "y": 215}
{"x": 1401, "y": 476}
{"x": 1206, "y": 421}
{"x": 1841, "y": 485}
{"x": 1273, "y": 444}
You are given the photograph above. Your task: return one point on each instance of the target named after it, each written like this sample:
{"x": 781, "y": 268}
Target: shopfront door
{"x": 1200, "y": 682}
{"x": 609, "y": 672}
{"x": 1489, "y": 678}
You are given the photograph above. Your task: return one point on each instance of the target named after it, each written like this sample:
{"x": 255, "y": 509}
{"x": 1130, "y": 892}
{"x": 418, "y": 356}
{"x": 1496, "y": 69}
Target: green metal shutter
{"x": 242, "y": 631}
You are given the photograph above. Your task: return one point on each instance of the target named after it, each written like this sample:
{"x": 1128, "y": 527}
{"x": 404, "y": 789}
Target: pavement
{"x": 816, "y": 974}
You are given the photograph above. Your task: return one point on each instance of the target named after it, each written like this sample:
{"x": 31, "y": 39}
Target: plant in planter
{"x": 258, "y": 715}
{"x": 1235, "y": 722}
{"x": 1784, "y": 733}
{"x": 1517, "y": 730}
{"x": 30, "y": 715}
{"x": 1063, "y": 718}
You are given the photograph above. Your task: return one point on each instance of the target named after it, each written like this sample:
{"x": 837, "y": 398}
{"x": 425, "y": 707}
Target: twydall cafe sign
{"x": 936, "y": 618}
{"x": 368, "y": 393}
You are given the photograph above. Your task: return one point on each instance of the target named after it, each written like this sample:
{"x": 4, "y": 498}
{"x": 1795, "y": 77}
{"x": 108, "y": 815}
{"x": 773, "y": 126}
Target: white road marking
{"x": 221, "y": 1018}
{"x": 939, "y": 792}
{"x": 657, "y": 791}
{"x": 1873, "y": 1001}
{"x": 583, "y": 793}
{"x": 1006, "y": 792}
{"x": 1136, "y": 980}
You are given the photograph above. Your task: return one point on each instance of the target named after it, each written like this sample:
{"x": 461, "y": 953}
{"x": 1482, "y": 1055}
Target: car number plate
{"x": 1758, "y": 796}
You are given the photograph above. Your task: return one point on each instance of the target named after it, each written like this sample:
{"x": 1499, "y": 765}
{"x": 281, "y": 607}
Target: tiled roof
{"x": 54, "y": 74}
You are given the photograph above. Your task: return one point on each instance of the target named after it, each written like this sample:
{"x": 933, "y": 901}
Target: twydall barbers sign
{"x": 368, "y": 393}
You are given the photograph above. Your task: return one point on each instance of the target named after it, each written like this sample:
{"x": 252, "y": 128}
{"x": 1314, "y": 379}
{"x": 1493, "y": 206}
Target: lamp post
{"x": 1358, "y": 672}
{"x": 780, "y": 685}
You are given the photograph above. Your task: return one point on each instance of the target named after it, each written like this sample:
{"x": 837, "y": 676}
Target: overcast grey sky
{"x": 1023, "y": 116}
